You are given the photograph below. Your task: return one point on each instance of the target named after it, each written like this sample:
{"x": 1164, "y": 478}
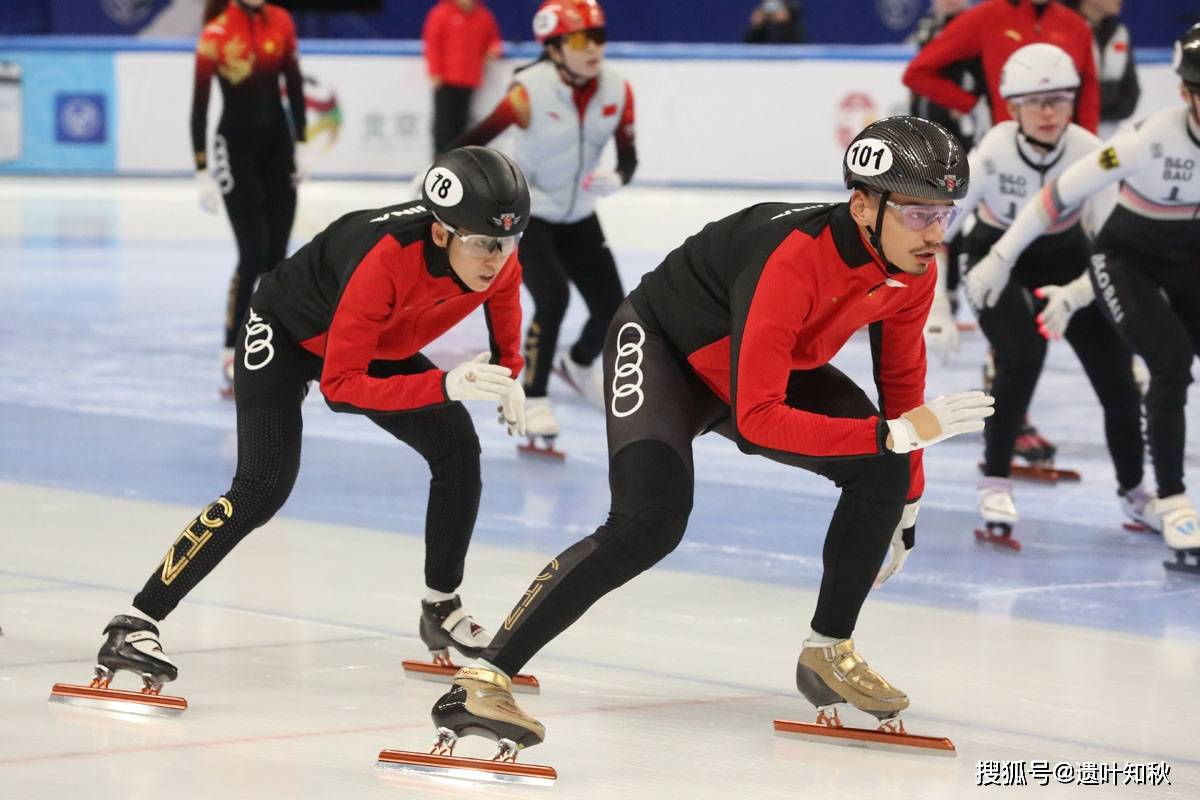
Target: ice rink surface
{"x": 1080, "y": 648}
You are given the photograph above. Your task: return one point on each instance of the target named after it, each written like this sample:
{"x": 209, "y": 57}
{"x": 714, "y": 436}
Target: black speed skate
{"x": 480, "y": 703}
{"x": 444, "y": 625}
{"x": 132, "y": 644}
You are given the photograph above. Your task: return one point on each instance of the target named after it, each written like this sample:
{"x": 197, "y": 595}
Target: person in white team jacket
{"x": 565, "y": 108}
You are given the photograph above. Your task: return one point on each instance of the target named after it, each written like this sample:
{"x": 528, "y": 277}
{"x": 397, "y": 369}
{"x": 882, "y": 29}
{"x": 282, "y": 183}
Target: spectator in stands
{"x": 460, "y": 36}
{"x": 994, "y": 30}
{"x": 1119, "y": 89}
{"x": 776, "y": 22}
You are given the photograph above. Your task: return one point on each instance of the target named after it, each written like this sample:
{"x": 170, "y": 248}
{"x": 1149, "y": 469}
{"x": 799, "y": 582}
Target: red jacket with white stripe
{"x": 373, "y": 287}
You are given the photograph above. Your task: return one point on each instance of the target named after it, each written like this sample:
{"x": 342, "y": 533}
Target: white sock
{"x": 434, "y": 596}
{"x": 133, "y": 612}
{"x": 480, "y": 663}
{"x": 820, "y": 640}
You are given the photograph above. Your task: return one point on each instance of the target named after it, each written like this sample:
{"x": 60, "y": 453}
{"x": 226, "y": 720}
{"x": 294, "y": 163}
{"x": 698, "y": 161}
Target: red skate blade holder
{"x": 473, "y": 769}
{"x": 547, "y": 452}
{"x": 897, "y": 740}
{"x": 1042, "y": 473}
{"x": 144, "y": 703}
{"x": 438, "y": 673}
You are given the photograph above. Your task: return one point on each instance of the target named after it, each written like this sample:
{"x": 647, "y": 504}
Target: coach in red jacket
{"x": 460, "y": 36}
{"x": 994, "y": 30}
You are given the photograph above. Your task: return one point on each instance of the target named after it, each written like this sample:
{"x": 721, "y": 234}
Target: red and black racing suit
{"x": 352, "y": 309}
{"x": 733, "y": 333}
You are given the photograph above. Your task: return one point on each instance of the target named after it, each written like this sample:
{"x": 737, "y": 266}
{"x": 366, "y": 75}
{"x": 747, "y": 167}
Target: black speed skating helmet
{"x": 1187, "y": 56}
{"x": 908, "y": 155}
{"x": 477, "y": 190}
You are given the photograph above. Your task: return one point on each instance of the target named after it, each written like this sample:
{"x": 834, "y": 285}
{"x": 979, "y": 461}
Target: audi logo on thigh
{"x": 254, "y": 327}
{"x": 628, "y": 366}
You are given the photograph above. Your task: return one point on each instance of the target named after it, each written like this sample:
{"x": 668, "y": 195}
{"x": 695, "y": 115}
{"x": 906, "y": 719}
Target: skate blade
{"x": 1181, "y": 564}
{"x": 541, "y": 452}
{"x": 965, "y": 327}
{"x": 863, "y": 737}
{"x": 1043, "y": 473}
{"x": 472, "y": 769}
{"x": 1137, "y": 527}
{"x": 425, "y": 671}
{"x": 1001, "y": 541}
{"x": 152, "y": 705}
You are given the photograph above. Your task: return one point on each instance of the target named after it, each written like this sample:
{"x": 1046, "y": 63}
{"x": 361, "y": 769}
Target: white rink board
{"x": 734, "y": 122}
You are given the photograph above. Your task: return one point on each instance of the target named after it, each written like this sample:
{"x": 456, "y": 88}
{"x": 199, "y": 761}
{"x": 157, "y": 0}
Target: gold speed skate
{"x": 480, "y": 703}
{"x": 828, "y": 675}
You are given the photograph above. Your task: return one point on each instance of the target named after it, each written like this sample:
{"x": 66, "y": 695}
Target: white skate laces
{"x": 996, "y": 501}
{"x": 1180, "y": 523}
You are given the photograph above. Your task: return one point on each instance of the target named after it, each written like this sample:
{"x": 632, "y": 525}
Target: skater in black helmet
{"x": 352, "y": 310}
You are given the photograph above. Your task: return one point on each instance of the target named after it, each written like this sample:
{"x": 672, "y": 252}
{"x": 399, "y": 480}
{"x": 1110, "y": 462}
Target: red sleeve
{"x": 1088, "y": 114}
{"x": 503, "y": 313}
{"x": 898, "y": 349}
{"x": 435, "y": 56}
{"x": 626, "y": 147}
{"x": 206, "y": 67}
{"x": 762, "y": 364}
{"x": 350, "y": 346}
{"x": 512, "y": 110}
{"x": 958, "y": 41}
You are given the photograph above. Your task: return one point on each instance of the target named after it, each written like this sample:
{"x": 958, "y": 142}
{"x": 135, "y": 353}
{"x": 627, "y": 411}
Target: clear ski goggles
{"x": 480, "y": 246}
{"x": 1058, "y": 101}
{"x": 919, "y": 217}
{"x": 578, "y": 40}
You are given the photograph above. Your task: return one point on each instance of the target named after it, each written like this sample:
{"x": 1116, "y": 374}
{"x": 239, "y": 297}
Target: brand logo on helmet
{"x": 950, "y": 182}
{"x": 506, "y": 220}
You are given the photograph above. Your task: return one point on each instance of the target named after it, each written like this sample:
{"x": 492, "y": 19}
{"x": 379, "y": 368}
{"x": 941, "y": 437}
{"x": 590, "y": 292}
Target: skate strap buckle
{"x": 453, "y": 618}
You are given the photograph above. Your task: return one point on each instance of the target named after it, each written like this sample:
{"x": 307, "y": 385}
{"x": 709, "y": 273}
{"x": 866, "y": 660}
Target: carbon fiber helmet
{"x": 908, "y": 155}
{"x": 477, "y": 190}
{"x": 1186, "y": 59}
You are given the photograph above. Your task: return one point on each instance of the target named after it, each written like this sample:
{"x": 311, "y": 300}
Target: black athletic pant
{"x": 657, "y": 409}
{"x": 271, "y": 379}
{"x": 451, "y": 110}
{"x": 1020, "y": 352}
{"x": 553, "y": 256}
{"x": 1155, "y": 305}
{"x": 254, "y": 168}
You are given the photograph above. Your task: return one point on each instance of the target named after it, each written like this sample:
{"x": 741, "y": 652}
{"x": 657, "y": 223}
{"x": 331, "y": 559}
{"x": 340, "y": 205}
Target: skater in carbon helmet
{"x": 734, "y": 333}
{"x": 1144, "y": 271}
{"x": 561, "y": 112}
{"x": 352, "y": 310}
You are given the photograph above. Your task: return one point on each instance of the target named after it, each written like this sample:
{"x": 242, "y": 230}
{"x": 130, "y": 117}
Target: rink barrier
{"x": 120, "y": 106}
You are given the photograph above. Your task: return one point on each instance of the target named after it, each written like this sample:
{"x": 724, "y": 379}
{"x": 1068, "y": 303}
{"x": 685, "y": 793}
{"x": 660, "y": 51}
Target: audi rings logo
{"x": 628, "y": 366}
{"x": 254, "y": 327}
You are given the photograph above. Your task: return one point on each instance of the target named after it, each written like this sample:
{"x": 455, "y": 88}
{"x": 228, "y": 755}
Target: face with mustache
{"x": 910, "y": 249}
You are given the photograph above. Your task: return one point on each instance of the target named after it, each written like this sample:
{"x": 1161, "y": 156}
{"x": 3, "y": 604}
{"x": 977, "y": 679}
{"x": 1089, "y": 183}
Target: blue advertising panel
{"x": 62, "y": 104}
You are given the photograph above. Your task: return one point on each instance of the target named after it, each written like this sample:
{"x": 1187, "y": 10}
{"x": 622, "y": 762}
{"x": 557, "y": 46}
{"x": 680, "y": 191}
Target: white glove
{"x": 603, "y": 182}
{"x": 902, "y": 542}
{"x": 512, "y": 410}
{"x": 941, "y": 331}
{"x": 478, "y": 380}
{"x": 986, "y": 280}
{"x": 301, "y": 158}
{"x": 939, "y": 419}
{"x": 1061, "y": 303}
{"x": 209, "y": 190}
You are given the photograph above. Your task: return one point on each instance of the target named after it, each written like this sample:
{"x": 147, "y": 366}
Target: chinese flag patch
{"x": 609, "y": 110}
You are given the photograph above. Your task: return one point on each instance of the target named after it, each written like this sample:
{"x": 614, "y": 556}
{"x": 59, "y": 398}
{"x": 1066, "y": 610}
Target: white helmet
{"x": 1037, "y": 68}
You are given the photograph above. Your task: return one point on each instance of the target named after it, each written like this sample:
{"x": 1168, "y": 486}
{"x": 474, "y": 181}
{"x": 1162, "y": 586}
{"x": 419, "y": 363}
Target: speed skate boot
{"x": 588, "y": 380}
{"x": 830, "y": 674}
{"x": 541, "y": 426}
{"x": 447, "y": 624}
{"x": 132, "y": 645}
{"x": 1138, "y": 505}
{"x": 1181, "y": 532}
{"x": 480, "y": 703}
{"x": 999, "y": 513}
